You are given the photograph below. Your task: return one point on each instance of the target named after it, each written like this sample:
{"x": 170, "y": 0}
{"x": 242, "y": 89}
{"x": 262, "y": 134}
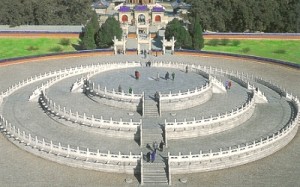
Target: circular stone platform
{"x": 147, "y": 82}
{"x": 266, "y": 119}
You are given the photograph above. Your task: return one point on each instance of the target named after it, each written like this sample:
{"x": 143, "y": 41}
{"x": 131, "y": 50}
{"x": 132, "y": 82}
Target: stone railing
{"x": 243, "y": 79}
{"x": 117, "y": 129}
{"x": 218, "y": 86}
{"x": 182, "y": 100}
{"x": 170, "y": 64}
{"x": 272, "y": 86}
{"x": 238, "y": 77}
{"x": 77, "y": 86}
{"x": 191, "y": 98}
{"x": 36, "y": 93}
{"x": 76, "y": 157}
{"x": 128, "y": 101}
{"x": 240, "y": 154}
{"x": 63, "y": 73}
{"x": 111, "y": 94}
{"x": 211, "y": 125}
{"x": 30, "y": 80}
{"x": 184, "y": 95}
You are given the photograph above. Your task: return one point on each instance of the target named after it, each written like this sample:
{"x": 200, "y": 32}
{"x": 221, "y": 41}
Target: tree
{"x": 88, "y": 37}
{"x": 45, "y": 12}
{"x": 247, "y": 15}
{"x": 197, "y": 35}
{"x": 183, "y": 38}
{"x": 104, "y": 37}
{"x": 76, "y": 11}
{"x": 94, "y": 21}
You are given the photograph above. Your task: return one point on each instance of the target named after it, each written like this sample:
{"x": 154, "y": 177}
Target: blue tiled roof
{"x": 141, "y": 8}
{"x": 124, "y": 9}
{"x": 158, "y": 9}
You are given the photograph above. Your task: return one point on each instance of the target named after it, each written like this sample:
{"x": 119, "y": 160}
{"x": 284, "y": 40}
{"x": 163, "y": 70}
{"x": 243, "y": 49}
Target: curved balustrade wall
{"x": 185, "y": 100}
{"x": 129, "y": 101}
{"x": 75, "y": 157}
{"x": 211, "y": 125}
{"x": 61, "y": 74}
{"x": 116, "y": 129}
{"x": 182, "y": 100}
{"x": 239, "y": 155}
{"x": 66, "y": 155}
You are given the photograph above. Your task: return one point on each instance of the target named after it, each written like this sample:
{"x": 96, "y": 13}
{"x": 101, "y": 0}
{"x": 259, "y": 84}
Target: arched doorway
{"x": 157, "y": 18}
{"x": 124, "y": 18}
{"x": 142, "y": 19}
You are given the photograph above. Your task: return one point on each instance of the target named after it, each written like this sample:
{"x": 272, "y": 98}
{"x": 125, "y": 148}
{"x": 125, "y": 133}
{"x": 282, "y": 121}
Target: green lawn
{"x": 18, "y": 47}
{"x": 287, "y": 50}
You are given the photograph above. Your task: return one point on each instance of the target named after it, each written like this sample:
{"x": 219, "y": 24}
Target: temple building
{"x": 141, "y": 12}
{"x": 143, "y": 23}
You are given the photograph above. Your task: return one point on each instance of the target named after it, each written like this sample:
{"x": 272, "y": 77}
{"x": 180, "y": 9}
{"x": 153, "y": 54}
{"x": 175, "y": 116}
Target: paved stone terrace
{"x": 29, "y": 116}
{"x": 278, "y": 163}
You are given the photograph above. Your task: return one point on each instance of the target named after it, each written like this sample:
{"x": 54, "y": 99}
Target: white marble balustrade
{"x": 89, "y": 121}
{"x": 240, "y": 154}
{"x": 112, "y": 94}
{"x": 17, "y": 136}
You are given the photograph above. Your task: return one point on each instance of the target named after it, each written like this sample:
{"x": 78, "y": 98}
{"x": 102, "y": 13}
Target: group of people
{"x": 144, "y": 52}
{"x": 148, "y": 64}
{"x": 121, "y": 90}
{"x": 152, "y": 155}
{"x": 167, "y": 76}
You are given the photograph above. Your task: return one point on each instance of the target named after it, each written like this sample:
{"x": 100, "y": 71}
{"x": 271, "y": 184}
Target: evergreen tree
{"x": 197, "y": 35}
{"x": 247, "y": 15}
{"x": 183, "y": 38}
{"x": 95, "y": 22}
{"x": 88, "y": 37}
{"x": 104, "y": 37}
{"x": 44, "y": 12}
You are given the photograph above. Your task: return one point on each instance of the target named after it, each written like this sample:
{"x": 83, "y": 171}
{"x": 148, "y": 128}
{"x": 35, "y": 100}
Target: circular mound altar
{"x": 204, "y": 123}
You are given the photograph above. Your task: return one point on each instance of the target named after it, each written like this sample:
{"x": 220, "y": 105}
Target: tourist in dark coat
{"x": 161, "y": 146}
{"x": 167, "y": 76}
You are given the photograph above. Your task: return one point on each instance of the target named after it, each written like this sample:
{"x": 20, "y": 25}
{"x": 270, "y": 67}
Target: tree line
{"x": 247, "y": 15}
{"x": 45, "y": 12}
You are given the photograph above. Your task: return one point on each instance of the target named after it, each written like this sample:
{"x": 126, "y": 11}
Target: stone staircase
{"x": 150, "y": 136}
{"x": 151, "y": 132}
{"x": 155, "y": 174}
{"x": 151, "y": 109}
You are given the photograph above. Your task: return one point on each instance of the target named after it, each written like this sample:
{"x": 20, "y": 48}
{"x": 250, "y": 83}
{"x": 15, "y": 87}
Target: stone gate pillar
{"x": 173, "y": 44}
{"x": 164, "y": 46}
{"x": 115, "y": 44}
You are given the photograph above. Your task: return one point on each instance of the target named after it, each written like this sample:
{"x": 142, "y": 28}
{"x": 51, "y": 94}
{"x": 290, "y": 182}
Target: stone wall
{"x": 185, "y": 103}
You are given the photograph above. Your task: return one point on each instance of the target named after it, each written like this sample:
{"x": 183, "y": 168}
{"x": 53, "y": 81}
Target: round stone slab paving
{"x": 148, "y": 81}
